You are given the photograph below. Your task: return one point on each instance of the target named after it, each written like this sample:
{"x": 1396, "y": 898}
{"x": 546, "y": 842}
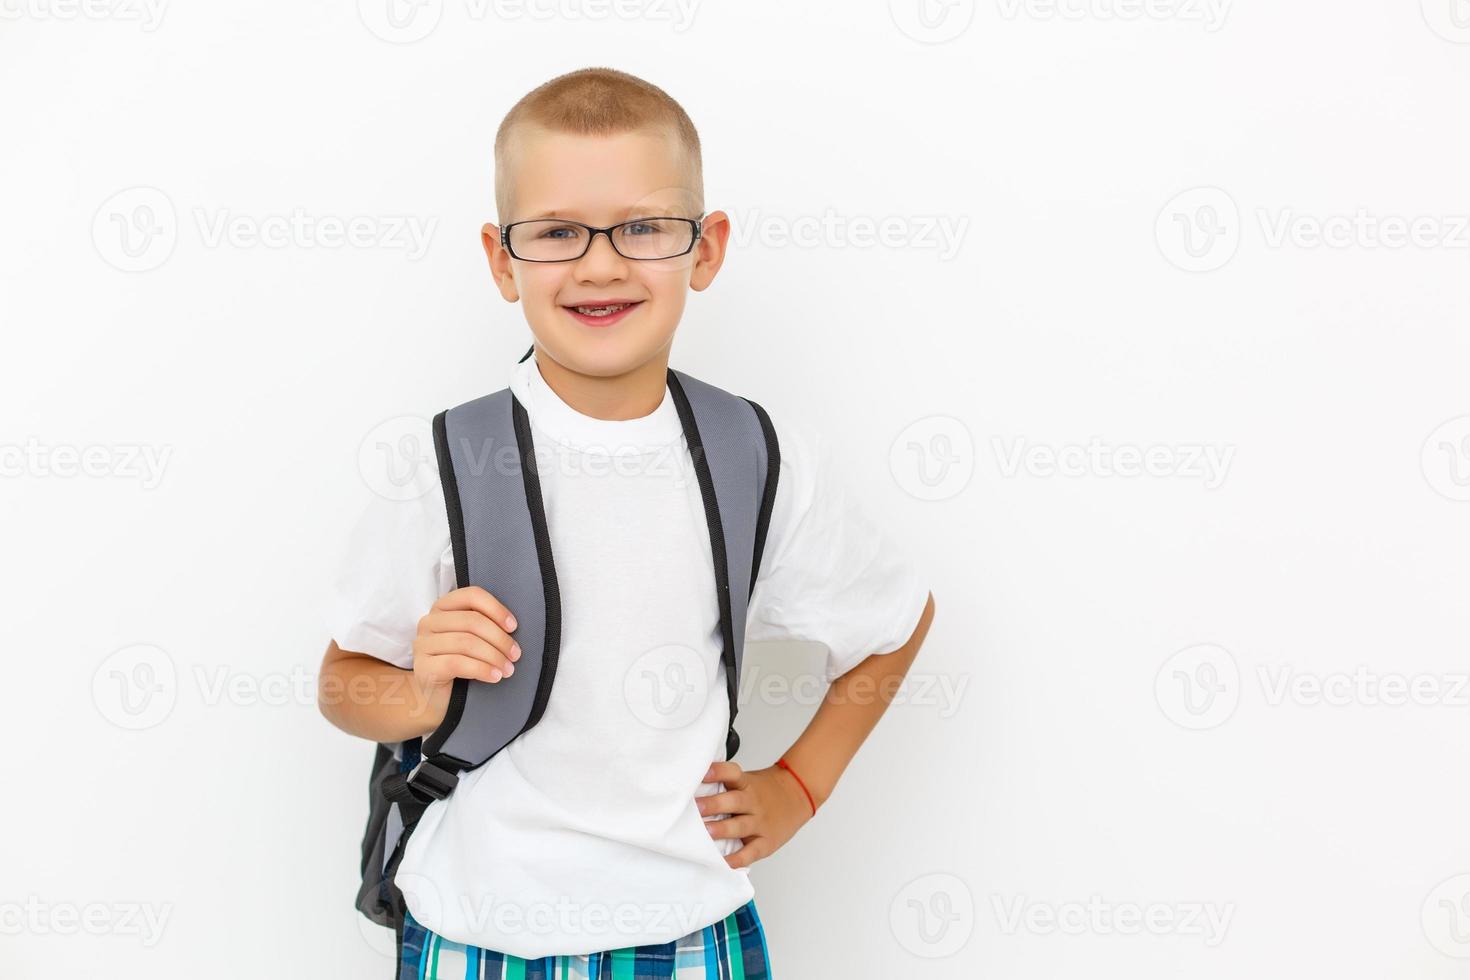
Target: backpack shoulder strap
{"x": 737, "y": 460}
{"x": 497, "y": 525}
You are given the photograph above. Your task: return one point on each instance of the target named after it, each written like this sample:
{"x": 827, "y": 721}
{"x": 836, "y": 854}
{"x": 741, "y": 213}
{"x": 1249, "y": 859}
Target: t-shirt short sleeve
{"x": 396, "y": 563}
{"x": 829, "y": 572}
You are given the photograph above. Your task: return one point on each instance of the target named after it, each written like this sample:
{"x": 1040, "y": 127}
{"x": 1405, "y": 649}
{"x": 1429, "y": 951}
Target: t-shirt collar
{"x": 558, "y": 421}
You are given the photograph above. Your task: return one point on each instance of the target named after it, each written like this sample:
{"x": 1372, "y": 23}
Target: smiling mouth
{"x": 606, "y": 310}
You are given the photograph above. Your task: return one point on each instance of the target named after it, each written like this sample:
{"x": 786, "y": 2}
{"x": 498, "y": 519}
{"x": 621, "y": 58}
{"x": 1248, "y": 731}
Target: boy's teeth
{"x": 599, "y": 310}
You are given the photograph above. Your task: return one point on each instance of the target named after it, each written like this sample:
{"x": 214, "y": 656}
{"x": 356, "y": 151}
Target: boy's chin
{"x": 603, "y": 355}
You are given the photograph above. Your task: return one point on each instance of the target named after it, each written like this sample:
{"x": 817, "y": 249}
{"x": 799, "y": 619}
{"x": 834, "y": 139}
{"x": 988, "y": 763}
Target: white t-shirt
{"x": 583, "y": 834}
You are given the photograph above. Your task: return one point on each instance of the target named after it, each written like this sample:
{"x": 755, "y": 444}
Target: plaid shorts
{"x": 732, "y": 949}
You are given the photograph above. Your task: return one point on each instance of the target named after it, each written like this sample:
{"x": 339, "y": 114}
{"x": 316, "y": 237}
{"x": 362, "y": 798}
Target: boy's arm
{"x": 364, "y": 696}
{"x": 853, "y": 704}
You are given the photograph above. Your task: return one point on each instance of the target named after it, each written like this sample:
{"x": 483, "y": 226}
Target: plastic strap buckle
{"x": 429, "y": 779}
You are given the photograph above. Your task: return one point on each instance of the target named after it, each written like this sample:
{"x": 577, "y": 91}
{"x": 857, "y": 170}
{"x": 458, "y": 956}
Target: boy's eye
{"x": 645, "y": 228}
{"x": 560, "y": 232}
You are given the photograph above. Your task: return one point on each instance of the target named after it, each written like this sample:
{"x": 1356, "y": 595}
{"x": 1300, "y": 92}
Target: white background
{"x": 1085, "y": 753}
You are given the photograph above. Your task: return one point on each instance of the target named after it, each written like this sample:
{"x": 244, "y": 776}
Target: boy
{"x": 606, "y": 833}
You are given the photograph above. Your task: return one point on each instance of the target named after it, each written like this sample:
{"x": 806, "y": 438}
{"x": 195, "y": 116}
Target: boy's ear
{"x": 709, "y": 251}
{"x": 499, "y": 262}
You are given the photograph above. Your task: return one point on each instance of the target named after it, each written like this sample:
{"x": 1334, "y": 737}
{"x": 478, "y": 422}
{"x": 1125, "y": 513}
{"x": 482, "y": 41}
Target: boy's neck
{"x": 616, "y": 398}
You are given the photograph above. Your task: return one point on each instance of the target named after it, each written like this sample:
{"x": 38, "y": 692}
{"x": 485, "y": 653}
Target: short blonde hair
{"x": 597, "y": 102}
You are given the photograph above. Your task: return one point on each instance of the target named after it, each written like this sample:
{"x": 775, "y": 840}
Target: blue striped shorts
{"x": 732, "y": 949}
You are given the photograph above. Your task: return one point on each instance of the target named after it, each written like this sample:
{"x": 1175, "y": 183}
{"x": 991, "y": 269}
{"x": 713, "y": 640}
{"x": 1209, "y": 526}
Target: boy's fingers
{"x": 749, "y": 853}
{"x": 476, "y": 670}
{"x": 730, "y": 801}
{"x": 726, "y": 771}
{"x": 470, "y": 621}
{"x": 466, "y": 645}
{"x": 731, "y": 827}
{"x": 476, "y": 598}
{"x": 471, "y": 645}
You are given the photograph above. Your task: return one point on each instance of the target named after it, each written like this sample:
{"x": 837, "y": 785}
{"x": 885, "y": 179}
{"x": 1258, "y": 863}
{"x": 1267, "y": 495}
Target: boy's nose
{"x": 600, "y": 257}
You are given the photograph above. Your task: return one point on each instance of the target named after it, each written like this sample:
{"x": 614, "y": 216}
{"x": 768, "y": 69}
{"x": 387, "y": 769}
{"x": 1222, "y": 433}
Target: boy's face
{"x": 601, "y": 181}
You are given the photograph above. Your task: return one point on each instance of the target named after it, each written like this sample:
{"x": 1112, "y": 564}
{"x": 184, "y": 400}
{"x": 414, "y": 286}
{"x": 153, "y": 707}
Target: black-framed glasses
{"x": 564, "y": 240}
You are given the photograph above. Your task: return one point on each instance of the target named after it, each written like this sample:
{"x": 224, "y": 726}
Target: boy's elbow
{"x": 925, "y": 618}
{"x": 329, "y": 684}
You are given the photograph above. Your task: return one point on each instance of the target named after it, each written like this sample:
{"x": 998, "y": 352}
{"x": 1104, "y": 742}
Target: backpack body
{"x": 487, "y": 467}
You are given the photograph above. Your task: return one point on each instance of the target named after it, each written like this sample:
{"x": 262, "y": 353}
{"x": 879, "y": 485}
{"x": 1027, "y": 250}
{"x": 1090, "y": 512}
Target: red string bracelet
{"x": 783, "y": 765}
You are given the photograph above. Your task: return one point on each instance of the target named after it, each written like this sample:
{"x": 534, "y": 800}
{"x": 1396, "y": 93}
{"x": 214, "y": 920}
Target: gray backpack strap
{"x": 498, "y": 529}
{"x": 733, "y": 446}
